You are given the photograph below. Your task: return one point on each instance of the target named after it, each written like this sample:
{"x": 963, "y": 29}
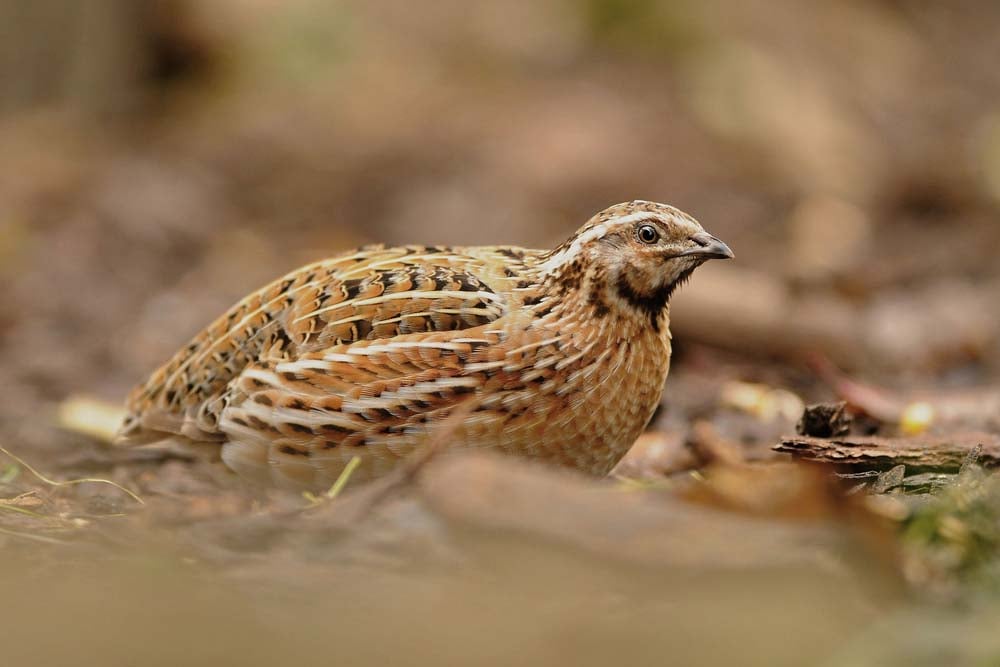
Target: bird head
{"x": 632, "y": 256}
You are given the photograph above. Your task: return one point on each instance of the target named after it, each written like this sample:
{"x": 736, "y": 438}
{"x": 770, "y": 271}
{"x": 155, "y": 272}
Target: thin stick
{"x": 71, "y": 482}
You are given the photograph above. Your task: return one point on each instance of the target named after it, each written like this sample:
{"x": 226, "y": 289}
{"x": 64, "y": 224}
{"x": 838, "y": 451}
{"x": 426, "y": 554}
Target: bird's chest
{"x": 609, "y": 411}
{"x": 624, "y": 407}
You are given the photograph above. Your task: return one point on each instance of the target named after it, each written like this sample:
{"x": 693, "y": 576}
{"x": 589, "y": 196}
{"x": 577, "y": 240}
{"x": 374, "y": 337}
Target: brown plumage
{"x": 562, "y": 354}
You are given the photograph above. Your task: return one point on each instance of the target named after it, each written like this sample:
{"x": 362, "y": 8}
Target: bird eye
{"x": 648, "y": 234}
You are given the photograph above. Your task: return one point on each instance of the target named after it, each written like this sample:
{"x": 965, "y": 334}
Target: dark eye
{"x": 648, "y": 234}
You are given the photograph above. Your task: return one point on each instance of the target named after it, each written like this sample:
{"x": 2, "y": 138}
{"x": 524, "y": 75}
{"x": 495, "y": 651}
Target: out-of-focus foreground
{"x": 160, "y": 159}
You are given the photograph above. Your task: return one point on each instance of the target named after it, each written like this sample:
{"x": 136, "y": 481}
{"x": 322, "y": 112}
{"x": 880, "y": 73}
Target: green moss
{"x": 952, "y": 538}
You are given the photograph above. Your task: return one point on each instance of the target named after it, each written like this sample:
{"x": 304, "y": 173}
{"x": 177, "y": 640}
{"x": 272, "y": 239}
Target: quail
{"x": 558, "y": 355}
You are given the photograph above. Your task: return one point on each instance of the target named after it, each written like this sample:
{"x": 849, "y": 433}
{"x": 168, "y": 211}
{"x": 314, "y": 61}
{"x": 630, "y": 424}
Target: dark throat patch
{"x": 651, "y": 304}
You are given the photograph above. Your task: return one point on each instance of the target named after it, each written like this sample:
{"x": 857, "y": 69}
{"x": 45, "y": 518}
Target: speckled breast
{"x": 592, "y": 428}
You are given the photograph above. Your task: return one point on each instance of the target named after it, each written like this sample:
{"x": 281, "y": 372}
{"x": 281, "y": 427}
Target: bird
{"x": 556, "y": 355}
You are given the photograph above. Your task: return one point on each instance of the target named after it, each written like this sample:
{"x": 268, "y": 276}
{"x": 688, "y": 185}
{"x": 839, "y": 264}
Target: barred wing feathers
{"x": 369, "y": 295}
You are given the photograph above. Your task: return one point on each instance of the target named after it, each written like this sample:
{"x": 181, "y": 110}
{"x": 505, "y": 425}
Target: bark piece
{"x": 939, "y": 452}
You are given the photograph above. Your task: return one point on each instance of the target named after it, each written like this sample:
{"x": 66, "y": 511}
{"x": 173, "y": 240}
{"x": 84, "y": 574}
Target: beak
{"x": 709, "y": 247}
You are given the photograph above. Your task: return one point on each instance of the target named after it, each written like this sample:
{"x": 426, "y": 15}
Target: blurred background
{"x": 160, "y": 159}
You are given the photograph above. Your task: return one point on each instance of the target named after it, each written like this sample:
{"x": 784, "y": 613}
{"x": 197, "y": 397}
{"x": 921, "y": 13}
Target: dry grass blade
{"x": 338, "y": 485}
{"x": 345, "y": 475}
{"x": 71, "y": 482}
{"x": 31, "y": 536}
{"x": 7, "y": 506}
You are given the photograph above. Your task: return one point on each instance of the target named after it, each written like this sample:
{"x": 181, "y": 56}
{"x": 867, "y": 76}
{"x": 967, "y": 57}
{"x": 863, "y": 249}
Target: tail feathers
{"x": 179, "y": 447}
{"x": 153, "y": 426}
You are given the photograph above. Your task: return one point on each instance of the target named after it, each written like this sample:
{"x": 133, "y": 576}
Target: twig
{"x": 70, "y": 482}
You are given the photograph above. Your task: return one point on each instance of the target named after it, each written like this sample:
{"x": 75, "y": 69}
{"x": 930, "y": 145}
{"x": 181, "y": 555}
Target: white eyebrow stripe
{"x": 569, "y": 254}
{"x": 636, "y": 217}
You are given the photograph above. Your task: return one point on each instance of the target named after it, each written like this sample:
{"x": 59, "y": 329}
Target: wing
{"x": 299, "y": 422}
{"x": 372, "y": 294}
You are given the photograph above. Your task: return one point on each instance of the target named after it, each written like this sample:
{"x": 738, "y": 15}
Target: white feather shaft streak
{"x": 532, "y": 346}
{"x": 395, "y": 346}
{"x": 393, "y": 320}
{"x": 484, "y": 366}
{"x": 444, "y": 259}
{"x": 467, "y": 311}
{"x": 487, "y": 312}
{"x": 572, "y": 359}
{"x": 262, "y": 375}
{"x": 395, "y": 296}
{"x": 394, "y": 400}
{"x": 583, "y": 375}
{"x": 347, "y": 320}
{"x": 311, "y": 418}
{"x": 306, "y": 365}
{"x": 545, "y": 362}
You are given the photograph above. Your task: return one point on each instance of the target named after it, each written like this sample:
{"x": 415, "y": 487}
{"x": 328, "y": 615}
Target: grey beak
{"x": 709, "y": 247}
